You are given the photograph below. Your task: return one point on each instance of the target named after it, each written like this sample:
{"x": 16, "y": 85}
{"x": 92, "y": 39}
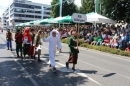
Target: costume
{"x": 27, "y": 42}
{"x": 37, "y": 44}
{"x": 53, "y": 41}
{"x": 73, "y": 52}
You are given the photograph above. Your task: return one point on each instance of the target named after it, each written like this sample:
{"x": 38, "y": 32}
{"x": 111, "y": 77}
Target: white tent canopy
{"x": 56, "y": 20}
{"x": 97, "y": 18}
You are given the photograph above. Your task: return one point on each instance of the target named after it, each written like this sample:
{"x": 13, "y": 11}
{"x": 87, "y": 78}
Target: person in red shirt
{"x": 18, "y": 40}
{"x": 106, "y": 41}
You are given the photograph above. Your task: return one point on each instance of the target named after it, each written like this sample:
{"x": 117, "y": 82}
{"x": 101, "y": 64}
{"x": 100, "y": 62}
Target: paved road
{"x": 94, "y": 69}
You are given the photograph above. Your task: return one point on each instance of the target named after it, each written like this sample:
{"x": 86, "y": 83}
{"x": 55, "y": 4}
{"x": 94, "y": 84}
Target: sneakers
{"x": 30, "y": 61}
{"x": 67, "y": 65}
{"x": 11, "y": 50}
{"x": 54, "y": 69}
{"x": 49, "y": 65}
{"x": 39, "y": 60}
{"x": 18, "y": 56}
{"x": 74, "y": 70}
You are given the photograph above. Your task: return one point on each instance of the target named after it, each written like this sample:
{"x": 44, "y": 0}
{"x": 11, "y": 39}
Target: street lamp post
{"x": 60, "y": 8}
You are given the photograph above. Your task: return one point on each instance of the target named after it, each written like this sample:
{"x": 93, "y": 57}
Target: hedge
{"x": 101, "y": 48}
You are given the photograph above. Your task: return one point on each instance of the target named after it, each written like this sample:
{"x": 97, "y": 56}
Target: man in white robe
{"x": 53, "y": 41}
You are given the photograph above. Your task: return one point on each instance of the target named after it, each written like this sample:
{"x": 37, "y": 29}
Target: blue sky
{"x": 5, "y": 3}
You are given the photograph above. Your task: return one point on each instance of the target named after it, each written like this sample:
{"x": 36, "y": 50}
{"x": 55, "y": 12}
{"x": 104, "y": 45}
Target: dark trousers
{"x": 9, "y": 44}
{"x": 19, "y": 47}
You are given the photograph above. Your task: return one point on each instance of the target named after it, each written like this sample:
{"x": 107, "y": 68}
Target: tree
{"x": 67, "y": 9}
{"x": 117, "y": 9}
{"x": 87, "y": 6}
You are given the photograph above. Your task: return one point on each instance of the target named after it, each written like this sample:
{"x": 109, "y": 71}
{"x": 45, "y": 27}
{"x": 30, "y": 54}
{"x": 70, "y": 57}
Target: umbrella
{"x": 56, "y": 20}
{"x": 97, "y": 18}
{"x": 65, "y": 19}
{"x": 22, "y": 24}
{"x": 45, "y": 21}
{"x": 34, "y": 22}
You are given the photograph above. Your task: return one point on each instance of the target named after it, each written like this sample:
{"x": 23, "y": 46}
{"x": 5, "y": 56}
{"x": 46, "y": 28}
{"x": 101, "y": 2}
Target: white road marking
{"x": 93, "y": 65}
{"x": 78, "y": 72}
{"x": 24, "y": 70}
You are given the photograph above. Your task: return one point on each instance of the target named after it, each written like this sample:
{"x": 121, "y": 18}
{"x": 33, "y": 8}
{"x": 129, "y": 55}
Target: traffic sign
{"x": 79, "y": 18}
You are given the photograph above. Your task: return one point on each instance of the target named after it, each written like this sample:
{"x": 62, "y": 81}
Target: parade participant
{"x": 32, "y": 47}
{"x": 72, "y": 43}
{"x": 27, "y": 42}
{"x": 37, "y": 44}
{"x": 9, "y": 39}
{"x": 53, "y": 41}
{"x": 18, "y": 40}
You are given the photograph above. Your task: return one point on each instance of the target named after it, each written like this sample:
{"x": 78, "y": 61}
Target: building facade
{"x": 20, "y": 11}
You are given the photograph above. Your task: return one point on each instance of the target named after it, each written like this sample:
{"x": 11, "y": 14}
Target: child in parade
{"x": 37, "y": 44}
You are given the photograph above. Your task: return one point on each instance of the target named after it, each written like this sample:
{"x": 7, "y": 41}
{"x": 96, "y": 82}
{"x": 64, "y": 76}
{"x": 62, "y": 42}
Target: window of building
{"x": 24, "y": 5}
{"x": 38, "y": 7}
{"x": 48, "y": 13}
{"x": 38, "y": 12}
{"x": 48, "y": 8}
{"x": 20, "y": 10}
{"x": 12, "y": 11}
{"x": 22, "y": 21}
{"x": 46, "y": 17}
{"x": 37, "y": 16}
{"x": 11, "y": 5}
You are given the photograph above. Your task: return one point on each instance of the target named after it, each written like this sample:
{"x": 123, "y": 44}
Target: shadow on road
{"x": 89, "y": 71}
{"x": 65, "y": 52}
{"x": 44, "y": 77}
{"x": 108, "y": 75}
{"x": 13, "y": 75}
{"x": 2, "y": 46}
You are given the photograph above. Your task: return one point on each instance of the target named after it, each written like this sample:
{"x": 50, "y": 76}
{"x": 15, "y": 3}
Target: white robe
{"x": 53, "y": 41}
{"x": 59, "y": 36}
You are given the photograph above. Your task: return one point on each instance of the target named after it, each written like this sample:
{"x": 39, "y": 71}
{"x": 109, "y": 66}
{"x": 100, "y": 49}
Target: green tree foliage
{"x": 117, "y": 9}
{"x": 67, "y": 9}
{"x": 55, "y": 9}
{"x": 87, "y": 6}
